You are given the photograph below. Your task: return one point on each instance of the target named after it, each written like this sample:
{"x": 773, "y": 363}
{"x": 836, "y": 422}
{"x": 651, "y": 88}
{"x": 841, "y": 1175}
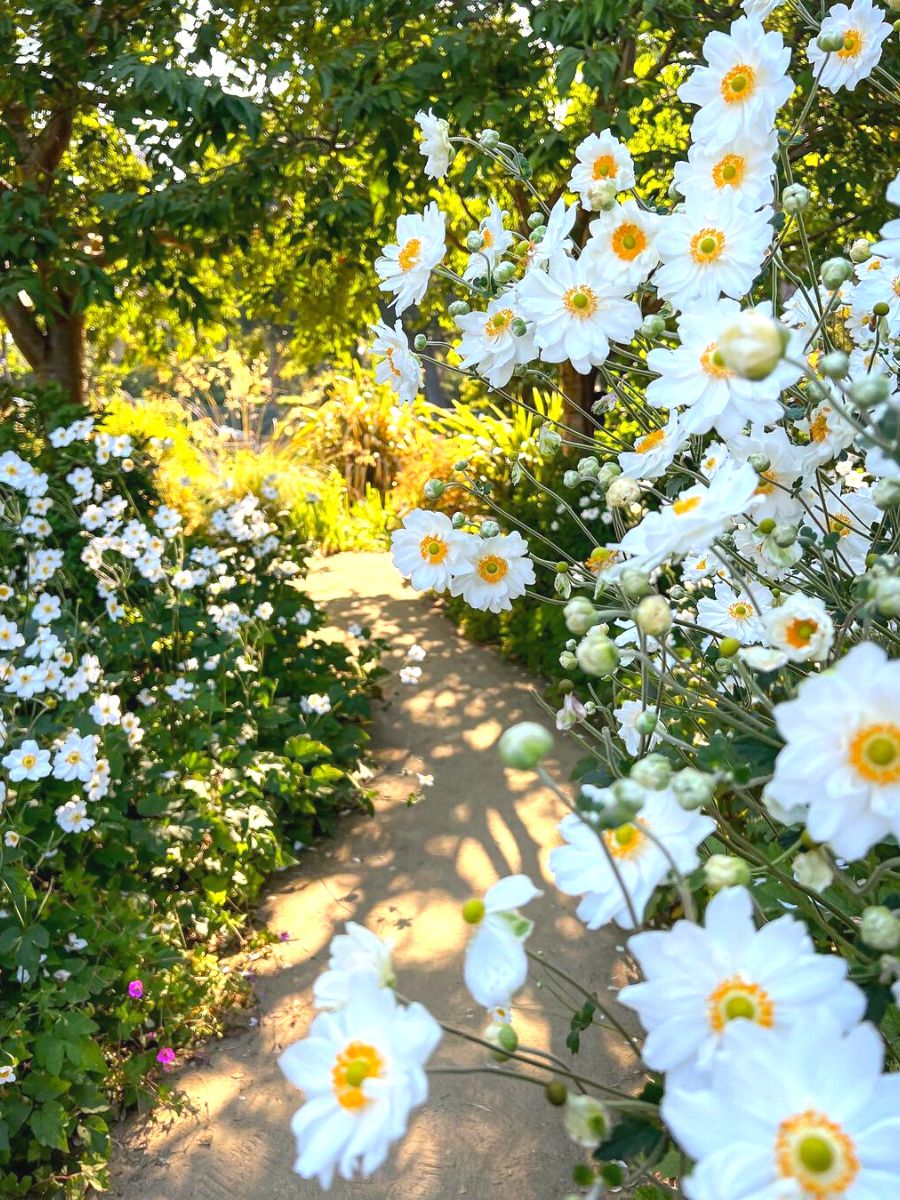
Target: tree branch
{"x": 26, "y": 332}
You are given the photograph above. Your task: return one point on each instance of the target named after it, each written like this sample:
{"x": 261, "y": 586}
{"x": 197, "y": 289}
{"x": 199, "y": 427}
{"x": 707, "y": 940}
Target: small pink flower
{"x": 284, "y": 936}
{"x": 166, "y": 1056}
{"x": 135, "y": 989}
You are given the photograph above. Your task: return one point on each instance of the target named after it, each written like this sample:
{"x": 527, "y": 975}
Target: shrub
{"x": 171, "y": 729}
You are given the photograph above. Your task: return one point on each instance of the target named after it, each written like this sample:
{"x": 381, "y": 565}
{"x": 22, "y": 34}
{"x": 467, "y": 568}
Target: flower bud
{"x": 646, "y": 721}
{"x": 887, "y": 596}
{"x": 589, "y": 467}
{"x": 458, "y": 520}
{"x": 692, "y": 788}
{"x": 504, "y": 272}
{"x": 580, "y": 615}
{"x": 784, "y": 535}
{"x": 870, "y": 390}
{"x": 434, "y": 489}
{"x": 725, "y": 870}
{"x": 571, "y": 479}
{"x": 812, "y": 870}
{"x": 653, "y": 326}
{"x": 834, "y": 365}
{"x": 473, "y": 911}
{"x": 489, "y": 528}
{"x": 860, "y": 251}
{"x": 880, "y": 927}
{"x": 597, "y": 654}
{"x": 537, "y": 235}
{"x": 525, "y": 745}
{"x": 728, "y": 647}
{"x": 535, "y": 219}
{"x": 549, "y": 441}
{"x": 568, "y": 661}
{"x": 489, "y": 138}
{"x": 458, "y": 308}
{"x": 766, "y": 525}
{"x": 753, "y": 344}
{"x": 634, "y": 582}
{"x": 835, "y": 272}
{"x": 420, "y": 341}
{"x": 474, "y": 240}
{"x": 653, "y": 616}
{"x": 601, "y": 195}
{"x": 622, "y": 492}
{"x": 586, "y": 1121}
{"x": 652, "y": 772}
{"x": 519, "y": 327}
{"x": 607, "y": 473}
{"x": 795, "y": 198}
{"x": 831, "y": 40}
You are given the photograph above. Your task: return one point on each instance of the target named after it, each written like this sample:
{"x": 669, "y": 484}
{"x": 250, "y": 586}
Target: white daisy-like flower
{"x": 742, "y": 86}
{"x": 7, "y": 1075}
{"x": 427, "y": 550}
{"x": 496, "y": 962}
{"x": 627, "y": 715}
{"x": 72, "y": 816}
{"x": 496, "y": 239}
{"x": 742, "y": 167}
{"x": 435, "y": 143}
{"x": 556, "y": 238}
{"x": 490, "y": 343}
{"x": 694, "y": 378}
{"x": 879, "y": 284}
{"x": 840, "y": 767}
{"x": 601, "y": 158}
{"x": 700, "y": 978}
{"x": 714, "y": 247}
{"x": 496, "y": 573}
{"x": 865, "y": 30}
{"x": 801, "y": 628}
{"x": 736, "y": 613}
{"x": 622, "y": 245}
{"x": 398, "y": 367}
{"x": 76, "y": 758}
{"x": 654, "y": 451}
{"x": 847, "y": 516}
{"x": 356, "y": 952}
{"x": 779, "y": 481}
{"x": 582, "y": 867}
{"x": 805, "y": 1114}
{"x": 361, "y": 1071}
{"x": 760, "y": 8}
{"x": 828, "y": 431}
{"x": 406, "y": 265}
{"x": 27, "y": 761}
{"x": 576, "y": 314}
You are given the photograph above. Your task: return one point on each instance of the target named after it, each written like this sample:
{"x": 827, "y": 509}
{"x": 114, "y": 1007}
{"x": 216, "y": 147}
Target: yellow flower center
{"x": 766, "y": 489}
{"x": 73, "y": 757}
{"x": 601, "y": 559}
{"x": 492, "y": 569}
{"x": 686, "y": 504}
{"x": 499, "y": 322}
{"x": 875, "y": 753}
{"x": 740, "y": 610}
{"x": 355, "y": 1064}
{"x": 738, "y": 84}
{"x": 392, "y": 366}
{"x": 839, "y": 524}
{"x": 605, "y": 167}
{"x": 433, "y": 549}
{"x": 799, "y": 632}
{"x": 816, "y": 1153}
{"x": 409, "y": 255}
{"x": 580, "y": 301}
{"x": 28, "y": 761}
{"x": 707, "y": 245}
{"x": 818, "y": 427}
{"x": 729, "y": 171}
{"x": 735, "y": 998}
{"x": 853, "y": 44}
{"x": 649, "y": 441}
{"x": 628, "y": 241}
{"x": 627, "y": 841}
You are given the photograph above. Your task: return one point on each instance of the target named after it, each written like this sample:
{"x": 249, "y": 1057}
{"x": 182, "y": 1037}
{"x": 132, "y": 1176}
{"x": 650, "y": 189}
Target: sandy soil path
{"x": 404, "y": 874}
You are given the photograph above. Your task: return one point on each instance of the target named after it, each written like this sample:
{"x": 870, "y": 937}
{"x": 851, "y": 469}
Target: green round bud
{"x": 458, "y": 520}
{"x": 504, "y": 272}
{"x": 537, "y": 235}
{"x": 766, "y": 525}
{"x": 887, "y": 595}
{"x": 597, "y": 654}
{"x": 653, "y": 616}
{"x": 588, "y": 468}
{"x": 525, "y": 745}
{"x": 462, "y": 465}
{"x": 489, "y": 138}
{"x": 725, "y": 870}
{"x": 458, "y": 308}
{"x": 784, "y": 535}
{"x": 870, "y": 391}
{"x": 831, "y": 41}
{"x": 489, "y": 528}
{"x": 886, "y": 494}
{"x": 434, "y": 489}
{"x": 646, "y": 722}
{"x": 473, "y": 911}
{"x": 420, "y": 342}
{"x": 795, "y": 198}
{"x": 759, "y": 462}
{"x": 535, "y": 219}
{"x": 556, "y": 1092}
{"x": 653, "y": 326}
{"x": 834, "y": 365}
{"x": 860, "y": 251}
{"x": 634, "y": 582}
{"x": 568, "y": 661}
{"x": 692, "y": 788}
{"x": 580, "y": 615}
{"x": 653, "y": 772}
{"x": 474, "y": 241}
{"x": 562, "y": 568}
{"x": 728, "y": 647}
{"x": 571, "y": 479}
{"x": 835, "y": 272}
{"x": 880, "y": 927}
{"x": 519, "y": 327}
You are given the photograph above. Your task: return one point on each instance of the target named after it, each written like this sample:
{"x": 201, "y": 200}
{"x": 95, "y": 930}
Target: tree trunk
{"x": 55, "y": 356}
{"x": 579, "y": 393}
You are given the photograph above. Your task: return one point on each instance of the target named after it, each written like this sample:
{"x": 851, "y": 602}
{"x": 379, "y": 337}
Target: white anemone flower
{"x": 627, "y": 715}
{"x": 601, "y": 158}
{"x": 490, "y": 343}
{"x": 27, "y": 761}
{"x": 714, "y": 247}
{"x": 865, "y": 30}
{"x": 576, "y": 313}
{"x": 786, "y": 473}
{"x": 840, "y": 766}
{"x": 742, "y": 86}
{"x": 622, "y": 245}
{"x": 700, "y": 978}
{"x": 361, "y": 1071}
{"x": 354, "y": 953}
{"x": 72, "y": 816}
{"x": 496, "y": 962}
{"x": 496, "y": 239}
{"x": 557, "y": 237}
{"x": 399, "y": 366}
{"x": 496, "y": 572}
{"x": 405, "y": 266}
{"x": 742, "y": 167}
{"x": 427, "y": 549}
{"x": 653, "y": 452}
{"x": 435, "y": 143}
{"x": 582, "y": 867}
{"x": 806, "y": 1114}
{"x": 801, "y": 628}
{"x": 736, "y": 613}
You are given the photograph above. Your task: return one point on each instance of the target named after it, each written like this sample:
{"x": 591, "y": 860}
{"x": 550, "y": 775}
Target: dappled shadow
{"x": 403, "y": 874}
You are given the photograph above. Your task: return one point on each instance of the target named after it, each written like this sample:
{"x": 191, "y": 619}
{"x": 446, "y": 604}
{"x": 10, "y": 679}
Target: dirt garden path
{"x": 404, "y": 874}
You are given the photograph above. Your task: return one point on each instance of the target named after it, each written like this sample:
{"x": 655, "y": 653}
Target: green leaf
{"x": 48, "y": 1125}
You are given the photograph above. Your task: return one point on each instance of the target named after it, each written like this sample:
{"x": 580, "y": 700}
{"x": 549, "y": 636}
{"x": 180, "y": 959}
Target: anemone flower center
{"x": 409, "y": 255}
{"x": 853, "y": 44}
{"x": 729, "y": 171}
{"x": 499, "y": 322}
{"x": 875, "y": 753}
{"x": 628, "y": 241}
{"x": 735, "y": 998}
{"x": 580, "y": 301}
{"x": 650, "y": 441}
{"x": 626, "y": 841}
{"x": 738, "y": 84}
{"x": 817, "y": 1154}
{"x": 707, "y": 245}
{"x": 800, "y": 631}
{"x": 356, "y": 1063}
{"x": 491, "y": 568}
{"x": 685, "y": 505}
{"x": 605, "y": 167}
{"x": 433, "y": 549}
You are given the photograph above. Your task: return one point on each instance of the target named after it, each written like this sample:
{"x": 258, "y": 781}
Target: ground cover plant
{"x": 172, "y": 731}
